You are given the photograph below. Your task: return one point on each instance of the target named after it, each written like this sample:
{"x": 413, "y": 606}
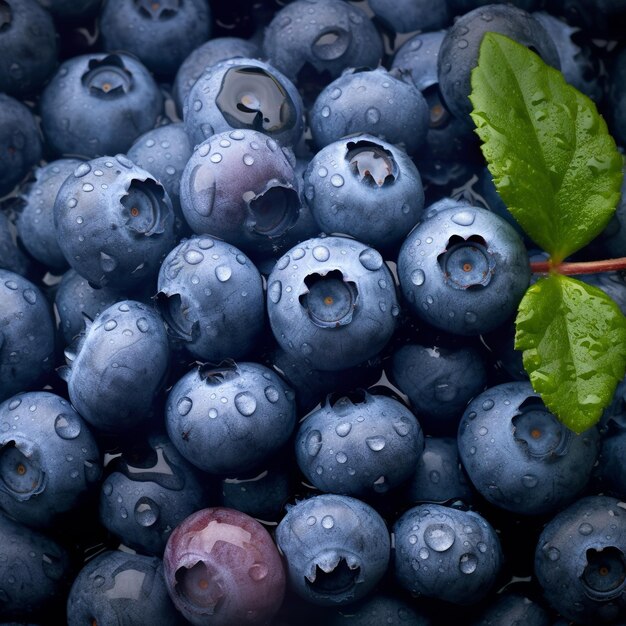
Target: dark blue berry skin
{"x": 11, "y": 256}
{"x": 439, "y": 476}
{"x": 515, "y": 609}
{"x": 118, "y": 366}
{"x": 332, "y": 302}
{"x": 26, "y": 335}
{"x": 35, "y": 572}
{"x": 164, "y": 152}
{"x": 327, "y": 35}
{"x": 377, "y": 610}
{"x": 242, "y": 186}
{"x": 406, "y": 16}
{"x": 370, "y": 101}
{"x": 49, "y": 460}
{"x": 617, "y": 98}
{"x": 159, "y": 34}
{"x": 439, "y": 382}
{"x": 366, "y": 188}
{"x": 89, "y": 95}
{"x": 20, "y": 141}
{"x": 148, "y": 490}
{"x": 580, "y": 564}
{"x": 115, "y": 223}
{"x": 446, "y": 553}
{"x": 211, "y": 298}
{"x": 28, "y": 47}
{"x": 463, "y": 270}
{"x": 610, "y": 462}
{"x": 251, "y": 414}
{"x": 245, "y": 94}
{"x": 336, "y": 548}
{"x": 519, "y": 456}
{"x": 71, "y": 9}
{"x": 35, "y": 224}
{"x": 459, "y": 50}
{"x": 75, "y": 298}
{"x": 359, "y": 445}
{"x": 417, "y": 57}
{"x": 203, "y": 57}
{"x": 121, "y": 588}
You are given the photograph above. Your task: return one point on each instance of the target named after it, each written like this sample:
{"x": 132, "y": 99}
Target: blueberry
{"x": 580, "y": 563}
{"x": 617, "y": 97}
{"x": 35, "y": 571}
{"x": 120, "y": 588}
{"x": 370, "y": 101}
{"x": 148, "y": 490}
{"x": 11, "y": 256}
{"x": 71, "y": 9}
{"x": 244, "y": 94}
{"x": 439, "y": 382}
{"x": 28, "y": 47}
{"x": 332, "y": 37}
{"x": 92, "y": 94}
{"x": 518, "y": 455}
{"x": 203, "y": 57}
{"x": 417, "y": 57}
{"x": 379, "y": 609}
{"x": 251, "y": 414}
{"x": 332, "y": 302}
{"x": 336, "y": 548}
{"x": 359, "y": 445}
{"x": 463, "y": 270}
{"x": 35, "y": 224}
{"x": 409, "y": 15}
{"x": 20, "y": 140}
{"x": 116, "y": 369}
{"x": 222, "y": 568}
{"x": 446, "y": 553}
{"x": 381, "y": 196}
{"x": 159, "y": 34}
{"x": 211, "y": 297}
{"x": 613, "y": 479}
{"x": 511, "y": 607}
{"x": 26, "y": 335}
{"x": 459, "y": 50}
{"x": 242, "y": 187}
{"x": 48, "y": 459}
{"x": 115, "y": 223}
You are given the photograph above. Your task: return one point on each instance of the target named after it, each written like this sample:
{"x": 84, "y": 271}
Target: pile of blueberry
{"x": 257, "y": 294}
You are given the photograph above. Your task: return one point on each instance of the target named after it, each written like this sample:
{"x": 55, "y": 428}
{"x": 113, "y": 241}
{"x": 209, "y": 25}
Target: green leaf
{"x": 574, "y": 341}
{"x": 552, "y": 159}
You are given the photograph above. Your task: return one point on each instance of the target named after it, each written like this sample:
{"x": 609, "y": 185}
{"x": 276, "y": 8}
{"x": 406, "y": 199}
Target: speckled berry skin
{"x": 336, "y": 547}
{"x": 35, "y": 224}
{"x": 222, "y": 568}
{"x": 463, "y": 270}
{"x": 366, "y": 188}
{"x": 89, "y": 95}
{"x": 370, "y": 101}
{"x": 251, "y": 414}
{"x": 579, "y": 561}
{"x": 406, "y": 16}
{"x": 242, "y": 187}
{"x": 159, "y": 34}
{"x": 335, "y": 36}
{"x": 115, "y": 223}
{"x": 26, "y": 335}
{"x": 519, "y": 456}
{"x": 147, "y": 492}
{"x": 359, "y": 446}
{"x": 459, "y": 50}
{"x": 211, "y": 298}
{"x": 116, "y": 587}
{"x": 49, "y": 459}
{"x": 245, "y": 94}
{"x": 116, "y": 369}
{"x": 446, "y": 553}
{"x": 38, "y": 566}
{"x": 332, "y": 302}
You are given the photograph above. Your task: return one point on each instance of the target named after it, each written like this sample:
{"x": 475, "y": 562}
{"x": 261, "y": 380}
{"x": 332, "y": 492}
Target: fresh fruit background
{"x": 257, "y": 301}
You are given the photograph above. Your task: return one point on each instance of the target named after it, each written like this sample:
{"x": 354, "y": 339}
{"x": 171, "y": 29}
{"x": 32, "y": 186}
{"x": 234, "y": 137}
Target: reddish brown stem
{"x": 583, "y": 267}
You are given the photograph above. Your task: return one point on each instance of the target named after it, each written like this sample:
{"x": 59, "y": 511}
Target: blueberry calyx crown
{"x": 539, "y": 431}
{"x": 467, "y": 263}
{"x": 330, "y": 299}
{"x": 108, "y": 77}
{"x": 158, "y": 9}
{"x": 274, "y": 211}
{"x": 331, "y": 44}
{"x": 372, "y": 164}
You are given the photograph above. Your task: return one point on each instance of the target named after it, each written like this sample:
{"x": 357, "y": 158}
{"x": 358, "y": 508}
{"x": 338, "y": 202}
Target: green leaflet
{"x": 553, "y": 162}
{"x": 574, "y": 341}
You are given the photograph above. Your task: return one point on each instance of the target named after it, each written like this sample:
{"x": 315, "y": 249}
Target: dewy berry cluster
{"x": 264, "y": 267}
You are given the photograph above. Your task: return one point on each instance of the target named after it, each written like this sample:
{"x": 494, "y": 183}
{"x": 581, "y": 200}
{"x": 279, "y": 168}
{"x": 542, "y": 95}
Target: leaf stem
{"x": 582, "y": 267}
